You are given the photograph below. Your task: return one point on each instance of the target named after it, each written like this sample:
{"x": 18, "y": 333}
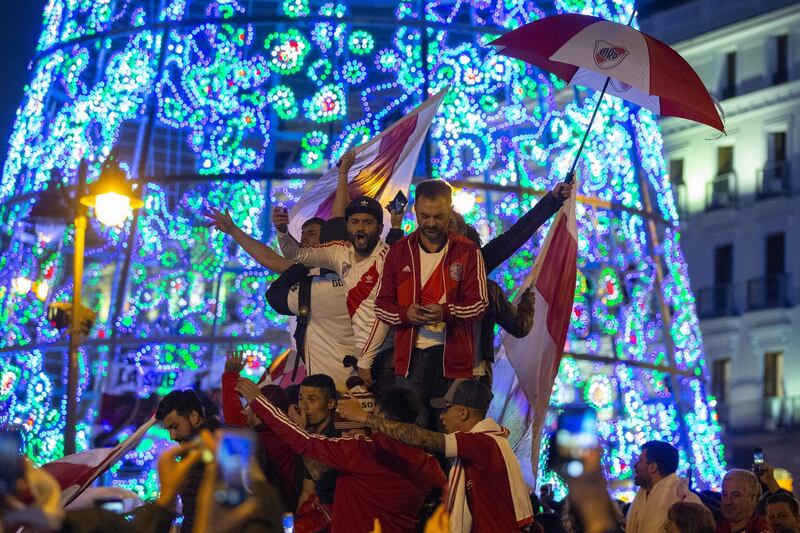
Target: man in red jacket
{"x": 432, "y": 290}
{"x": 377, "y": 477}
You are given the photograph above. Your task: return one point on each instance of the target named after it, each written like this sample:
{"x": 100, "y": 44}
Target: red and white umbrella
{"x": 616, "y": 59}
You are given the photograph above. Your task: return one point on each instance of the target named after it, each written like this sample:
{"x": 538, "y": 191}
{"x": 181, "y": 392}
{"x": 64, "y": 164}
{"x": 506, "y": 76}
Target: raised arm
{"x": 410, "y": 434}
{"x": 342, "y": 197}
{"x": 498, "y": 250}
{"x": 259, "y": 251}
{"x": 516, "y": 320}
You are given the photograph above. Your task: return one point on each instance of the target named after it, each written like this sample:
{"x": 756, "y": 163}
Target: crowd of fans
{"x": 388, "y": 431}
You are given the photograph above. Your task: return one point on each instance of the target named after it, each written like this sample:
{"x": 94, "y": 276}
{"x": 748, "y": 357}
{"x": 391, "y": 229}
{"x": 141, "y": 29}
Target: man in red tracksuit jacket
{"x": 377, "y": 477}
{"x": 432, "y": 290}
{"x": 281, "y": 465}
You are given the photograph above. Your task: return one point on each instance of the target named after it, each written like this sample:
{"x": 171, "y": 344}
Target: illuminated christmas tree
{"x": 234, "y": 103}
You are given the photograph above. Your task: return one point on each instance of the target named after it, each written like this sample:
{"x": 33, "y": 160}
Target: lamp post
{"x": 113, "y": 200}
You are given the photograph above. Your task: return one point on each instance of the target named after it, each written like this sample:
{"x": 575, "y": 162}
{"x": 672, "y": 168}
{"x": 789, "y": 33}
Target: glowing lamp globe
{"x": 112, "y": 197}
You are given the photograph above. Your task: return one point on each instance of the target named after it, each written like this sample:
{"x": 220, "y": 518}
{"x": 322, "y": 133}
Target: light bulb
{"x": 112, "y": 209}
{"x": 463, "y": 202}
{"x": 42, "y": 289}
{"x": 22, "y": 285}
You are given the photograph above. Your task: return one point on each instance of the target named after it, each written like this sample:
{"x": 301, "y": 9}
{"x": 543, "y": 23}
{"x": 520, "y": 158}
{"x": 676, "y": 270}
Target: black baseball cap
{"x": 467, "y": 393}
{"x": 364, "y": 204}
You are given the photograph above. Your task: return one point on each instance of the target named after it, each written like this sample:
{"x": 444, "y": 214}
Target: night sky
{"x": 19, "y": 30}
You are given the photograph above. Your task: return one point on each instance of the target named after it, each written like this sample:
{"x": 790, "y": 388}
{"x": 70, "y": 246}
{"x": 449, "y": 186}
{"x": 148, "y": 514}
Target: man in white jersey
{"x": 359, "y": 263}
{"x": 328, "y": 312}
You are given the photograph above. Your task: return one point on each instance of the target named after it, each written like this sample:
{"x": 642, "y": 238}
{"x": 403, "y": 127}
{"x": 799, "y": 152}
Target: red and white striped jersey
{"x": 360, "y": 280}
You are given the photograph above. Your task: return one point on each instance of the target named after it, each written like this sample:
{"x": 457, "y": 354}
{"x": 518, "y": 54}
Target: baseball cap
{"x": 364, "y": 204}
{"x": 467, "y": 393}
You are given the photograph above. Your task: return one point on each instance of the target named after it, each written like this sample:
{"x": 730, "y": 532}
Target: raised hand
{"x": 235, "y": 361}
{"x": 247, "y": 389}
{"x": 350, "y": 409}
{"x": 280, "y": 218}
{"x": 173, "y": 473}
{"x": 346, "y": 162}
{"x": 562, "y": 190}
{"x": 297, "y": 416}
{"x": 220, "y": 220}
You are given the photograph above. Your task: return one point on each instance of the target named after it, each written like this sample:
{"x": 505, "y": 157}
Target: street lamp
{"x": 113, "y": 200}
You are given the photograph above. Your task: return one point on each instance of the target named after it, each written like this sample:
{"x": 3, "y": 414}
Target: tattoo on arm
{"x": 315, "y": 468}
{"x": 408, "y": 433}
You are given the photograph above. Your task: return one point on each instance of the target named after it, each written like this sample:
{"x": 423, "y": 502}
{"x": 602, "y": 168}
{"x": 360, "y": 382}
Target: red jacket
{"x": 281, "y": 459}
{"x": 466, "y": 299}
{"x": 377, "y": 477}
{"x": 756, "y": 524}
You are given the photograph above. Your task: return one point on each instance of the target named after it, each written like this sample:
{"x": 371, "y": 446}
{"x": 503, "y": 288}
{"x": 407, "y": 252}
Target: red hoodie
{"x": 466, "y": 300}
{"x": 377, "y": 477}
{"x": 280, "y": 456}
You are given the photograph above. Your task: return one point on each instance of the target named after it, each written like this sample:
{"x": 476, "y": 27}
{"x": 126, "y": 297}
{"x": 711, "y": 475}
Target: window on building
{"x": 773, "y": 375}
{"x": 721, "y": 379}
{"x": 775, "y": 254}
{"x": 729, "y": 76}
{"x": 724, "y": 159}
{"x": 781, "y": 74}
{"x": 676, "y": 171}
{"x": 723, "y": 264}
{"x": 777, "y": 146}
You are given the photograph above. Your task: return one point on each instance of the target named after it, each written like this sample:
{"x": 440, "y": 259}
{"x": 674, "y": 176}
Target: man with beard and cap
{"x": 359, "y": 262}
{"x": 433, "y": 290}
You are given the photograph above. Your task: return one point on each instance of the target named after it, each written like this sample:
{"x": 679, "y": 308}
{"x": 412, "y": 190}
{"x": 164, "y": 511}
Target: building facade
{"x": 739, "y": 200}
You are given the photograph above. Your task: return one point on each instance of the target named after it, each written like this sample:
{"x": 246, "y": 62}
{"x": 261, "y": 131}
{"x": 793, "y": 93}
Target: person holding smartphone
{"x": 432, "y": 291}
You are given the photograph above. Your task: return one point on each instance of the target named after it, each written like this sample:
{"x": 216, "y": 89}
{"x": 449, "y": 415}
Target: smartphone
{"x": 288, "y": 523}
{"x": 424, "y": 309}
{"x": 758, "y": 461}
{"x": 234, "y": 454}
{"x": 115, "y": 505}
{"x": 574, "y": 439}
{"x": 398, "y": 203}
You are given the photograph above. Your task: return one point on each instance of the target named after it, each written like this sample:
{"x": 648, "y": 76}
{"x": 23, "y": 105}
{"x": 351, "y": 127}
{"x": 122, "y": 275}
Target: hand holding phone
{"x": 758, "y": 462}
{"x": 398, "y": 204}
{"x": 574, "y": 440}
{"x": 234, "y": 452}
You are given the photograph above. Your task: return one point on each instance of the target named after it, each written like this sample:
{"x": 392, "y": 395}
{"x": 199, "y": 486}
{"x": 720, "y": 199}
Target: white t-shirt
{"x": 360, "y": 280}
{"x": 329, "y": 335}
{"x": 433, "y": 335}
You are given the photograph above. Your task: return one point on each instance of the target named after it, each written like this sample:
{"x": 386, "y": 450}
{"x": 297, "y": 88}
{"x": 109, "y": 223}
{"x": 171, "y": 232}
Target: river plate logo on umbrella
{"x": 607, "y": 55}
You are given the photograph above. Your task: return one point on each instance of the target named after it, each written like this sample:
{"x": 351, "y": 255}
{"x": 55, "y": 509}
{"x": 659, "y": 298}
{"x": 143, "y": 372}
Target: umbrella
{"x": 615, "y": 59}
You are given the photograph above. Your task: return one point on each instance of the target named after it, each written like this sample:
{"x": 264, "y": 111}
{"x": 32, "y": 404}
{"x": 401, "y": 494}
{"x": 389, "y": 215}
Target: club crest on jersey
{"x": 345, "y": 269}
{"x": 455, "y": 271}
{"x": 607, "y": 55}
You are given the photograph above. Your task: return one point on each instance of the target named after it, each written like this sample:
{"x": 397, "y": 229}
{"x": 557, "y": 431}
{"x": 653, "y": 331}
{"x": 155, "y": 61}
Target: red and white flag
{"x": 536, "y": 356}
{"x": 383, "y": 166}
{"x": 282, "y": 368}
{"x": 77, "y": 471}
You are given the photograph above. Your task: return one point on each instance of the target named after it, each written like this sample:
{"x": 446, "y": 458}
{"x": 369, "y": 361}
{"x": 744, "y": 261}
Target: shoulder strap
{"x": 303, "y": 312}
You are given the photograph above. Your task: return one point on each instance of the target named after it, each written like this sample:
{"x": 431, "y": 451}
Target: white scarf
{"x": 648, "y": 512}
{"x": 460, "y": 516}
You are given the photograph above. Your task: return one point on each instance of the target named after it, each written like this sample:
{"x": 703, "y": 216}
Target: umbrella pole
{"x": 571, "y": 173}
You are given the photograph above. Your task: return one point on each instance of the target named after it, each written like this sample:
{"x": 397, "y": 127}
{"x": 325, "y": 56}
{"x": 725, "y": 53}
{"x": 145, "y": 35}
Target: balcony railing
{"x": 715, "y": 301}
{"x": 721, "y": 191}
{"x": 768, "y": 292}
{"x": 763, "y": 414}
{"x": 775, "y": 179}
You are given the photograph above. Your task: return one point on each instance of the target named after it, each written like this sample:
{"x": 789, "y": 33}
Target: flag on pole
{"x": 282, "y": 368}
{"x": 77, "y": 471}
{"x": 536, "y": 357}
{"x": 383, "y": 166}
